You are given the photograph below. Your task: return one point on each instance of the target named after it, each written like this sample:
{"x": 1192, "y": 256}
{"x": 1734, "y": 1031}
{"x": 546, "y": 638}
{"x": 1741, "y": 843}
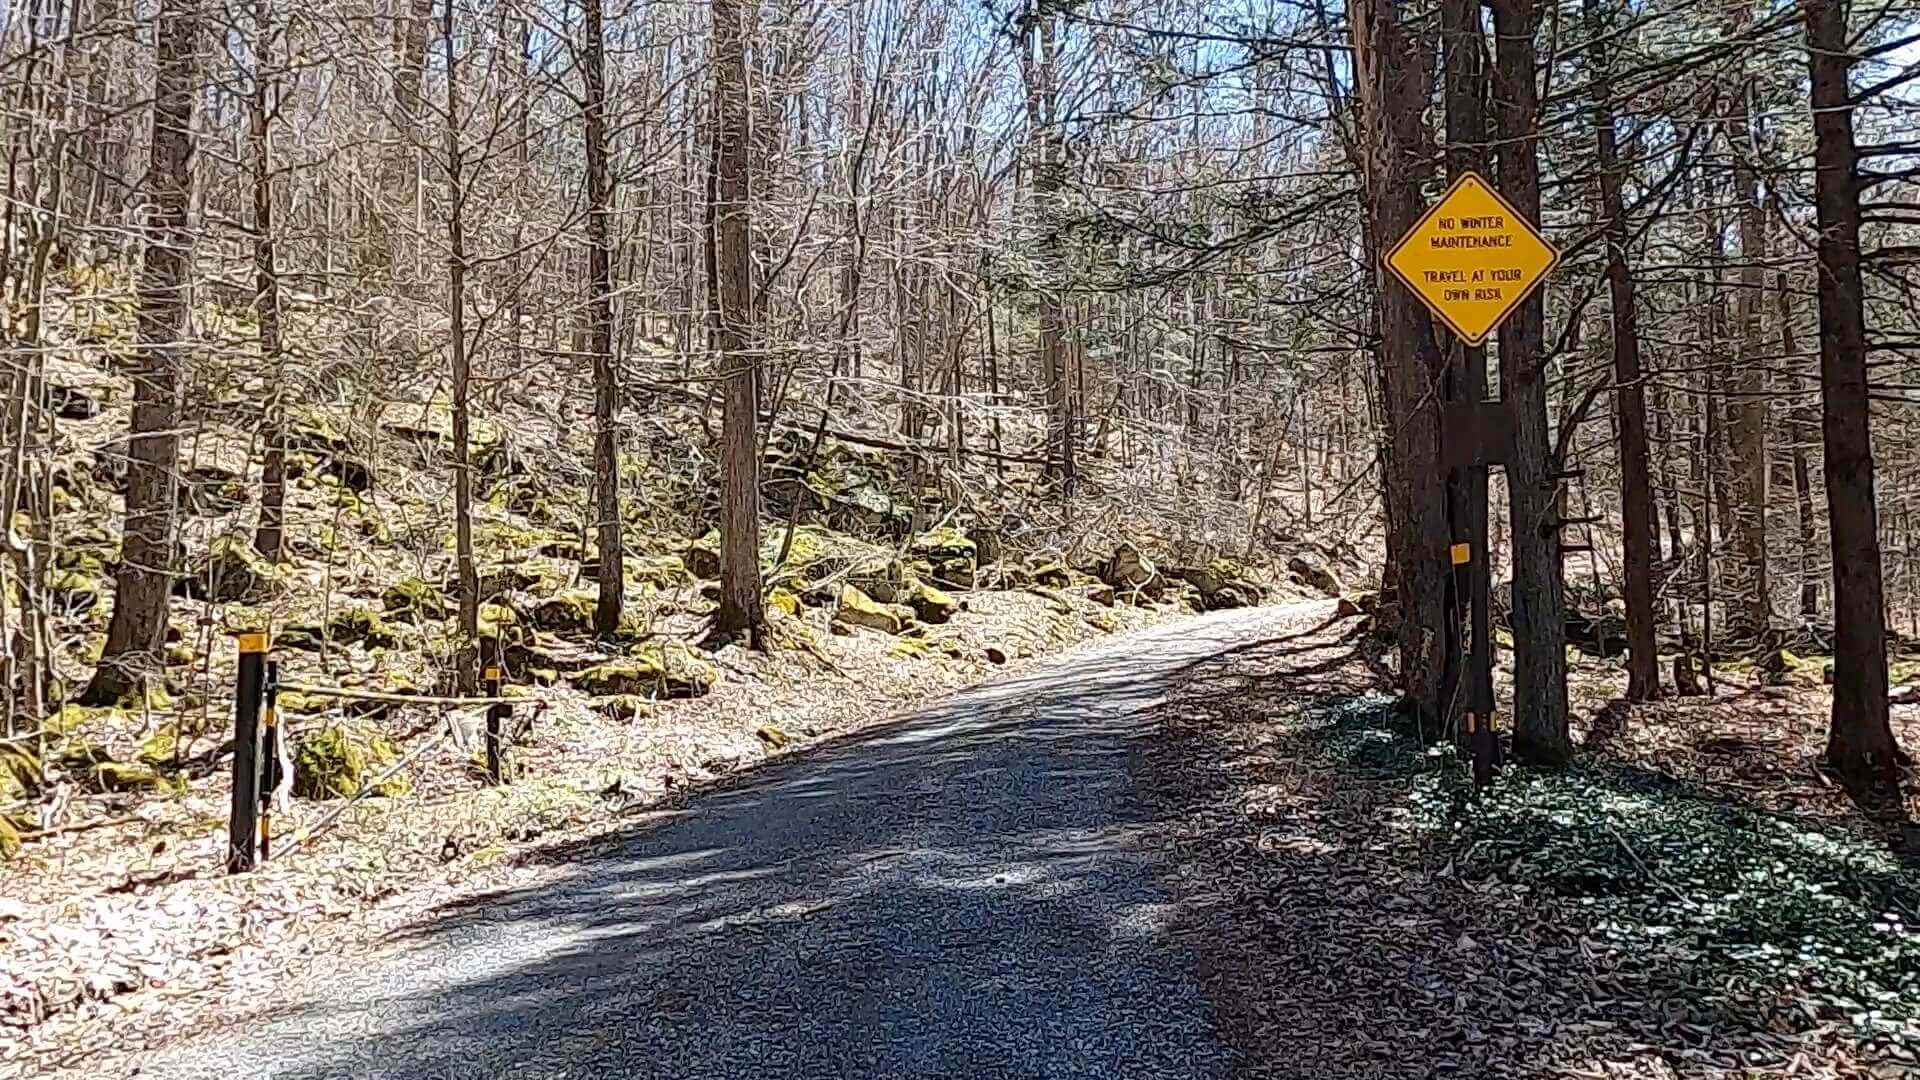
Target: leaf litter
{"x": 1658, "y": 910}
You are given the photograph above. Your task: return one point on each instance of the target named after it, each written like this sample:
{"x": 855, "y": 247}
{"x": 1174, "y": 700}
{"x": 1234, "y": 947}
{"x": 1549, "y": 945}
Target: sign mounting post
{"x": 1472, "y": 260}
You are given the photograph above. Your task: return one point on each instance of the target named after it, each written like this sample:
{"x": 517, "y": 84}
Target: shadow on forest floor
{"x": 1606, "y": 918}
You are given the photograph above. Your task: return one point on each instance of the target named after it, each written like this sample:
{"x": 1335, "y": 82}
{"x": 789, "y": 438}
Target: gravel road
{"x": 962, "y": 893}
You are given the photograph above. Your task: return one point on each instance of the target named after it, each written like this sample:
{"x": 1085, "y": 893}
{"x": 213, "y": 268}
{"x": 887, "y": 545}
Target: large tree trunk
{"x": 1860, "y": 744}
{"x": 138, "y": 629}
{"x": 606, "y": 447}
{"x": 1539, "y": 606}
{"x": 1630, "y": 394}
{"x": 741, "y": 605}
{"x": 1392, "y": 83}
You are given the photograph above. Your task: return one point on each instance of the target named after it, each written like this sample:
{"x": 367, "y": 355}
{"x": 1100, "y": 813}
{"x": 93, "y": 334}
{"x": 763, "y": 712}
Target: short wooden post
{"x": 242, "y": 822}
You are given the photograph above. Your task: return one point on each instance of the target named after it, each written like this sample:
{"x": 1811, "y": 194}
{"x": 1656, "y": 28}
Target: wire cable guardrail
{"x": 258, "y": 771}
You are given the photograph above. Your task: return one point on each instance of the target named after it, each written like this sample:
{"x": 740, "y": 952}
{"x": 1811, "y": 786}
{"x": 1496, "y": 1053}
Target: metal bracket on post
{"x": 242, "y": 820}
{"x": 270, "y": 774}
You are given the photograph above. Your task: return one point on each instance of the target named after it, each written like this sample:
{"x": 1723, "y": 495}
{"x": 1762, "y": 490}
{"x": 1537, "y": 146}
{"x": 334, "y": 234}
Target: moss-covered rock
{"x": 819, "y": 558}
{"x": 74, "y": 592}
{"x": 230, "y": 572}
{"x": 340, "y": 760}
{"x": 1049, "y": 572}
{"x": 1131, "y": 573}
{"x": 414, "y": 599}
{"x": 659, "y": 571}
{"x": 623, "y": 707}
{"x": 654, "y": 670}
{"x": 952, "y": 558}
{"x": 359, "y": 625}
{"x": 1315, "y": 573}
{"x": 19, "y": 774}
{"x": 702, "y": 558}
{"x": 11, "y": 838}
{"x": 74, "y": 718}
{"x": 499, "y": 622}
{"x": 135, "y": 776}
{"x": 1221, "y": 584}
{"x": 931, "y": 605}
{"x": 784, "y": 602}
{"x": 571, "y": 612}
{"x": 859, "y": 609}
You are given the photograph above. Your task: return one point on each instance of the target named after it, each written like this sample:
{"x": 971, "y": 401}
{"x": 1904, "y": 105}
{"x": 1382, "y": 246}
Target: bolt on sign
{"x": 1472, "y": 259}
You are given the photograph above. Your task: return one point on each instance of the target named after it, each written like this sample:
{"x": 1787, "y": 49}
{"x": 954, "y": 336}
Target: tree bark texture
{"x": 606, "y": 447}
{"x": 1630, "y": 394}
{"x": 741, "y": 605}
{"x": 138, "y": 628}
{"x": 1860, "y": 743}
{"x": 1539, "y": 605}
{"x": 1392, "y": 82}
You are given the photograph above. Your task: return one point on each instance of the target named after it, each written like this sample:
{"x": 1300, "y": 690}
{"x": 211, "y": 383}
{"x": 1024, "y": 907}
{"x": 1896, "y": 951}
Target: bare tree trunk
{"x": 1747, "y": 408}
{"x": 138, "y": 629}
{"x": 469, "y": 575}
{"x": 1038, "y": 55}
{"x": 606, "y": 447}
{"x": 1630, "y": 395}
{"x": 741, "y": 605}
{"x": 1860, "y": 743}
{"x": 266, "y": 290}
{"x": 1805, "y": 426}
{"x": 1539, "y": 606}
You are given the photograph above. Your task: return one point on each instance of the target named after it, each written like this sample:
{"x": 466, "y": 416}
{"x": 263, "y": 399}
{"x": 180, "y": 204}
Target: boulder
{"x": 1221, "y": 584}
{"x": 1129, "y": 571}
{"x": 571, "y": 612}
{"x": 211, "y": 490}
{"x": 654, "y": 670}
{"x": 929, "y": 604}
{"x": 1357, "y": 604}
{"x": 702, "y": 559}
{"x": 659, "y": 571}
{"x": 951, "y": 557}
{"x": 19, "y": 774}
{"x": 859, "y": 609}
{"x": 1313, "y": 572}
{"x": 231, "y": 572}
{"x": 339, "y": 760}
{"x": 414, "y": 599}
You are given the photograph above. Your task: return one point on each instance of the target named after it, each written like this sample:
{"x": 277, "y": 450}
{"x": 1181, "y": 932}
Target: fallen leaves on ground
{"x": 1360, "y": 913}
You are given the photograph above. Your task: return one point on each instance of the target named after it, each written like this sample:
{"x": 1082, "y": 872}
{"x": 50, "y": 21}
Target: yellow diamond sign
{"x": 1472, "y": 258}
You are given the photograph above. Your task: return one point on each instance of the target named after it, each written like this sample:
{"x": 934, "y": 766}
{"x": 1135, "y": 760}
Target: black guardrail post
{"x": 242, "y": 823}
{"x": 496, "y": 724}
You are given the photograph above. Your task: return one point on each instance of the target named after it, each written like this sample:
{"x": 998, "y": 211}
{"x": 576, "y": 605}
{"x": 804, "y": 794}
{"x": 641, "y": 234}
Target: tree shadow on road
{"x": 966, "y": 893}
